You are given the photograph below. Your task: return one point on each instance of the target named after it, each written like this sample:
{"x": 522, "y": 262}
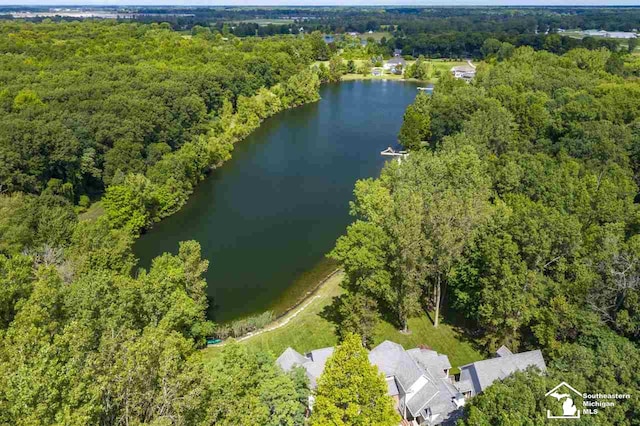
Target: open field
{"x": 376, "y": 35}
{"x": 441, "y": 65}
{"x": 265, "y": 22}
{"x": 308, "y": 330}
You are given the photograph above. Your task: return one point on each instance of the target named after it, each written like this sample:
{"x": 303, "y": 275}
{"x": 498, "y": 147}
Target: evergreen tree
{"x": 351, "y": 391}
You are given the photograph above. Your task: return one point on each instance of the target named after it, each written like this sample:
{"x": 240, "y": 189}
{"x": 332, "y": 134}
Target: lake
{"x": 267, "y": 217}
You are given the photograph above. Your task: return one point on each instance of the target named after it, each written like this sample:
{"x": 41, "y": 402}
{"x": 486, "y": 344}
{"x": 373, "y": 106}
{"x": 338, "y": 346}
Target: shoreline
{"x": 309, "y": 294}
{"x": 289, "y": 314}
{"x": 387, "y": 77}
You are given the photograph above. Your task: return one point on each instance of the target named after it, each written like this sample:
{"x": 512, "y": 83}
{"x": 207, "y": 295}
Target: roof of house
{"x": 421, "y": 398}
{"x": 396, "y": 60}
{"x": 321, "y": 355}
{"x": 290, "y": 358}
{"x": 440, "y": 403}
{"x": 430, "y": 360}
{"x": 392, "y": 387}
{"x": 437, "y": 397}
{"x": 314, "y": 371}
{"x": 463, "y": 68}
{"x": 504, "y": 351}
{"x": 483, "y": 373}
{"x": 393, "y": 360}
{"x": 313, "y": 363}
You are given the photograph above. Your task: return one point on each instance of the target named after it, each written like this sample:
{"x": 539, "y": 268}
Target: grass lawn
{"x": 442, "y": 65}
{"x": 308, "y": 330}
{"x": 265, "y": 22}
{"x": 351, "y": 77}
{"x": 94, "y": 211}
{"x": 376, "y": 35}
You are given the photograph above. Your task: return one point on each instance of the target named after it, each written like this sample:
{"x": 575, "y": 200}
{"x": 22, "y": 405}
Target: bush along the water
{"x": 239, "y": 328}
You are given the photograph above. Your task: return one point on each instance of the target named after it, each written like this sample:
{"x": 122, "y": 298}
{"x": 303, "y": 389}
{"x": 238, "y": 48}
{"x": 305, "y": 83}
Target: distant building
{"x": 418, "y": 380}
{"x": 621, "y": 34}
{"x": 397, "y": 52}
{"x": 353, "y": 33}
{"x": 610, "y": 34}
{"x": 377, "y": 71}
{"x": 395, "y": 65}
{"x": 466, "y": 72}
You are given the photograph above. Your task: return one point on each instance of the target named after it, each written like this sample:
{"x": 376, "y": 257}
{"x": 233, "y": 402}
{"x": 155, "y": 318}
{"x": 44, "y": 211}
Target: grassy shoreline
{"x": 439, "y": 66}
{"x": 303, "y": 287}
{"x": 394, "y": 77}
{"x": 307, "y": 330}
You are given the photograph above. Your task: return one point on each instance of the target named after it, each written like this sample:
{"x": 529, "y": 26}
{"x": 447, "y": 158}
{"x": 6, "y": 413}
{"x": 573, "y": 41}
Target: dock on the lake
{"x": 393, "y": 153}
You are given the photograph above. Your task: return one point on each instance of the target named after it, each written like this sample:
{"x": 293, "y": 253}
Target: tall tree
{"x": 354, "y": 313}
{"x": 336, "y": 68}
{"x": 416, "y": 124}
{"x": 454, "y": 188}
{"x": 351, "y": 391}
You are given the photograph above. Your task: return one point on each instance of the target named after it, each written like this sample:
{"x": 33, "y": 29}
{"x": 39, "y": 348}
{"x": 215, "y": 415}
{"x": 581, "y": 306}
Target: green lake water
{"x": 267, "y": 217}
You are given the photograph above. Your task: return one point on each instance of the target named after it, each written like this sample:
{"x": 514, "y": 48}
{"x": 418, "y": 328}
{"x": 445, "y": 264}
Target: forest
{"x": 104, "y": 129}
{"x": 436, "y": 32}
{"x": 139, "y": 112}
{"x": 516, "y": 211}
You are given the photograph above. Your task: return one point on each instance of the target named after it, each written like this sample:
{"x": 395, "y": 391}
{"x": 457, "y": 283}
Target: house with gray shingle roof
{"x": 313, "y": 362}
{"x": 395, "y": 64}
{"x": 477, "y": 376}
{"x": 418, "y": 379}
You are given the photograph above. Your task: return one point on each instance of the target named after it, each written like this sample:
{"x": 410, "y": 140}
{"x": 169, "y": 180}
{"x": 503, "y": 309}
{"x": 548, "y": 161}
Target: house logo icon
{"x": 563, "y": 393}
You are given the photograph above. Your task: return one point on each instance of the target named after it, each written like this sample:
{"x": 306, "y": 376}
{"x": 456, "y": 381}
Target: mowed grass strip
{"x": 308, "y": 331}
{"x": 442, "y": 65}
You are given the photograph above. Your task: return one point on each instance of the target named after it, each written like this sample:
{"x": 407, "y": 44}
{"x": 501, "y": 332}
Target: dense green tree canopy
{"x": 138, "y": 114}
{"x": 88, "y": 102}
{"x": 523, "y": 186}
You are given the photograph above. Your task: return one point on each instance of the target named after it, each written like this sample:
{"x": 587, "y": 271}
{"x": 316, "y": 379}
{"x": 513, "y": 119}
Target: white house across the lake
{"x": 395, "y": 65}
{"x": 465, "y": 72}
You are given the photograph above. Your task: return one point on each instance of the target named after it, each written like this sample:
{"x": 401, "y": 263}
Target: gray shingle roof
{"x": 397, "y": 60}
{"x": 403, "y": 368}
{"x": 442, "y": 406}
{"x": 313, "y": 364}
{"x": 315, "y": 367}
{"x": 483, "y": 373}
{"x": 464, "y": 385}
{"x": 431, "y": 360}
{"x": 422, "y": 398}
{"x": 463, "y": 68}
{"x": 314, "y": 370}
{"x": 504, "y": 351}
{"x": 321, "y": 355}
{"x": 393, "y": 360}
{"x": 392, "y": 387}
{"x": 290, "y": 358}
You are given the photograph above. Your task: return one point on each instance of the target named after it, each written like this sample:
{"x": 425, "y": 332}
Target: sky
{"x": 327, "y": 2}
